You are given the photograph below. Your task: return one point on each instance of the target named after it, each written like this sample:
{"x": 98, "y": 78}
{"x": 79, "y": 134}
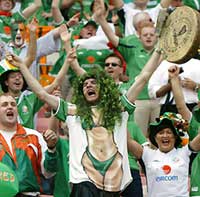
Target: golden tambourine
{"x": 180, "y": 35}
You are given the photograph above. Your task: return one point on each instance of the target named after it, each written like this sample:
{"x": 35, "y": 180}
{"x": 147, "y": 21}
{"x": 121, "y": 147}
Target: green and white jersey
{"x": 61, "y": 186}
{"x": 28, "y": 105}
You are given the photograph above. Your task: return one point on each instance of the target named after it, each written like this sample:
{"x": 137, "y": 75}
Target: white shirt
{"x": 167, "y": 173}
{"x": 160, "y": 78}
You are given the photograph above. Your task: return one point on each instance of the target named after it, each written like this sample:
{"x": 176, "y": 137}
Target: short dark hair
{"x": 116, "y": 56}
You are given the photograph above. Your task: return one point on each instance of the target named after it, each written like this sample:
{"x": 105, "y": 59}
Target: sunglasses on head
{"x": 112, "y": 64}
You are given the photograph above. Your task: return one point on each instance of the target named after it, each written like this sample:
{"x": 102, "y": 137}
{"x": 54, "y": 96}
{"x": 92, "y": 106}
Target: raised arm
{"x": 32, "y": 82}
{"x": 61, "y": 74}
{"x": 134, "y": 147}
{"x": 72, "y": 58}
{"x": 178, "y": 93}
{"x": 71, "y": 52}
{"x": 56, "y": 13}
{"x": 144, "y": 76}
{"x": 100, "y": 18}
{"x": 29, "y": 11}
{"x": 32, "y": 47}
{"x": 54, "y": 123}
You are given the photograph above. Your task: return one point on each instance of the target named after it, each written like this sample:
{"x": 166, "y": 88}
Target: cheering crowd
{"x": 117, "y": 108}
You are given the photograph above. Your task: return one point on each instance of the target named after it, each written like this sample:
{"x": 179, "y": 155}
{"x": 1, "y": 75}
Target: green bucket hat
{"x": 6, "y": 66}
{"x": 162, "y": 123}
{"x": 5, "y": 69}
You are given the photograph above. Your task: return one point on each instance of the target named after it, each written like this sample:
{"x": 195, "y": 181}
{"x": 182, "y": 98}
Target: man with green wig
{"x": 97, "y": 122}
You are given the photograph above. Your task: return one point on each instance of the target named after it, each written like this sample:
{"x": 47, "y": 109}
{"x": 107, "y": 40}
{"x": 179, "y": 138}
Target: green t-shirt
{"x": 194, "y": 177}
{"x": 61, "y": 184}
{"x": 195, "y": 171}
{"x": 28, "y": 105}
{"x": 193, "y": 128}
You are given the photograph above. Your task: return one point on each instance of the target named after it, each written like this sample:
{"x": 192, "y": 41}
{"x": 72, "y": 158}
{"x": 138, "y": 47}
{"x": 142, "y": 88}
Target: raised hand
{"x": 74, "y": 20}
{"x": 71, "y": 56}
{"x": 99, "y": 10}
{"x": 14, "y": 60}
{"x": 173, "y": 71}
{"x": 33, "y": 25}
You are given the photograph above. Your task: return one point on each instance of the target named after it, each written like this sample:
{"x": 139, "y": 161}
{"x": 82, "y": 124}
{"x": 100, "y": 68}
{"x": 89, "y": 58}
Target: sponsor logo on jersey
{"x": 166, "y": 178}
{"x": 166, "y": 169}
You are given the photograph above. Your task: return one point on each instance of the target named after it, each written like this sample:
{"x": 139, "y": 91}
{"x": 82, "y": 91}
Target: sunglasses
{"x": 112, "y": 64}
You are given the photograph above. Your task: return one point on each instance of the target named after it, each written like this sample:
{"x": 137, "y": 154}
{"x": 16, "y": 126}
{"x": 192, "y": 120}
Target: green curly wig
{"x": 108, "y": 103}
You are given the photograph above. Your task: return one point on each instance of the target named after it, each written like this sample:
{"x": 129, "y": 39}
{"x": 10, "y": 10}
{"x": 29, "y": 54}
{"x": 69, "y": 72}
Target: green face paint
{"x": 18, "y": 34}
